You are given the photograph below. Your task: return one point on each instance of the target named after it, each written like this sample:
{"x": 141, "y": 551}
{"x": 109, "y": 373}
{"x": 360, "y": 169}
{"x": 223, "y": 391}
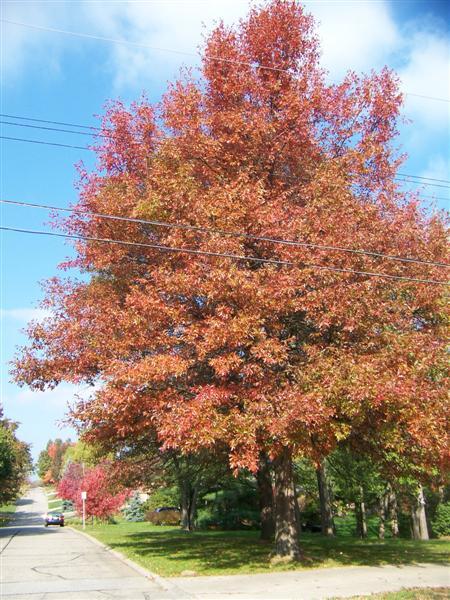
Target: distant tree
{"x": 44, "y": 463}
{"x": 15, "y": 461}
{"x": 441, "y": 522}
{"x": 50, "y": 461}
{"x": 82, "y": 453}
{"x": 357, "y": 481}
{"x": 6, "y": 452}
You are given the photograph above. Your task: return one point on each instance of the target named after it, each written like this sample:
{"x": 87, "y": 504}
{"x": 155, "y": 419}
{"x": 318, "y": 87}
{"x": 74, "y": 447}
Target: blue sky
{"x": 58, "y": 77}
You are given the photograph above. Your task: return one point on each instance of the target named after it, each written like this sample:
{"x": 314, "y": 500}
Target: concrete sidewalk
{"x": 315, "y": 584}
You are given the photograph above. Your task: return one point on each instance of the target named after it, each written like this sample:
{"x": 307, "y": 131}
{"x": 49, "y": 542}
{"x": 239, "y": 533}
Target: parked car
{"x": 54, "y": 518}
{"x": 163, "y": 508}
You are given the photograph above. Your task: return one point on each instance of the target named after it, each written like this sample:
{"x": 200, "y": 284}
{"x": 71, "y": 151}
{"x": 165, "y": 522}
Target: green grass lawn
{"x": 168, "y": 551}
{"x": 6, "y": 511}
{"x": 54, "y": 504}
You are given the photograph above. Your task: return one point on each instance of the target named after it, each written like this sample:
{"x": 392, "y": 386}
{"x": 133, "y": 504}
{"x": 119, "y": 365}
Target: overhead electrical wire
{"x": 103, "y": 134}
{"x": 238, "y": 257}
{"x": 16, "y": 139}
{"x": 420, "y": 183}
{"x": 222, "y": 232}
{"x": 422, "y": 177}
{"x": 58, "y": 129}
{"x": 32, "y": 141}
{"x": 172, "y": 51}
{"x": 22, "y": 118}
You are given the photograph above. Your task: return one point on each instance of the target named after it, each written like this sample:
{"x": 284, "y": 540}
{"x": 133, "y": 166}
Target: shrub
{"x": 165, "y": 517}
{"x": 67, "y": 505}
{"x": 162, "y": 497}
{"x": 441, "y": 522}
{"x": 234, "y": 518}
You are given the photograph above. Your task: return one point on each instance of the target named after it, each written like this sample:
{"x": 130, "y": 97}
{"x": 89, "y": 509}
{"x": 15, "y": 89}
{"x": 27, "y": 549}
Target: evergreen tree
{"x": 134, "y": 510}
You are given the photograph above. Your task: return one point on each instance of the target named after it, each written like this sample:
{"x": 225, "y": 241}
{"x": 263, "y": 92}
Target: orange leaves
{"x": 209, "y": 351}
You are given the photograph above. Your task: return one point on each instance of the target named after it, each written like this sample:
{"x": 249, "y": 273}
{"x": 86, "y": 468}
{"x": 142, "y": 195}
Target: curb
{"x": 167, "y": 586}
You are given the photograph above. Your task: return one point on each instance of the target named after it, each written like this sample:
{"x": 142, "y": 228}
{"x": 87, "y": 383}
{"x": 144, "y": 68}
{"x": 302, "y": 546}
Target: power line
{"x": 422, "y": 177}
{"x": 237, "y": 257}
{"x": 222, "y": 232}
{"x": 22, "y": 118}
{"x": 171, "y": 50}
{"x": 100, "y": 134}
{"x": 427, "y": 183}
{"x": 427, "y": 97}
{"x": 41, "y": 127}
{"x": 16, "y": 139}
{"x": 433, "y": 197}
{"x": 27, "y": 140}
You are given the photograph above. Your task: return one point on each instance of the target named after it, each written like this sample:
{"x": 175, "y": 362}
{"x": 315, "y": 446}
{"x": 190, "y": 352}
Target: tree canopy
{"x": 246, "y": 353}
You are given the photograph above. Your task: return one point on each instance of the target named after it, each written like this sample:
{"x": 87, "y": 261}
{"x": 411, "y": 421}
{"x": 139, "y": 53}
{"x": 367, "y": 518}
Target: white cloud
{"x": 438, "y": 167}
{"x": 24, "y": 314}
{"x": 357, "y": 36}
{"x": 23, "y": 48}
{"x": 41, "y": 414}
{"x": 427, "y": 72}
{"x": 58, "y": 398}
{"x": 173, "y": 25}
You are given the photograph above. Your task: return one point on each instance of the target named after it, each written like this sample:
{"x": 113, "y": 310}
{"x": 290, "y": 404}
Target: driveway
{"x": 56, "y": 563}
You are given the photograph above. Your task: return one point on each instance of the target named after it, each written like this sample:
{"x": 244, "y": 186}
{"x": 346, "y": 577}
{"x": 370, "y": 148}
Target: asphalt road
{"x": 56, "y": 563}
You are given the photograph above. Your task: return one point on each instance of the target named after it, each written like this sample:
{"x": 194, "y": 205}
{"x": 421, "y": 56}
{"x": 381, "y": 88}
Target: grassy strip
{"x": 54, "y": 504}
{"x": 6, "y": 512}
{"x": 168, "y": 551}
{"x": 410, "y": 594}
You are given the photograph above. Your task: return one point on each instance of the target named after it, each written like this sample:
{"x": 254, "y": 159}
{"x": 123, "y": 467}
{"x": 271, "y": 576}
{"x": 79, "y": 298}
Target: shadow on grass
{"x": 215, "y": 552}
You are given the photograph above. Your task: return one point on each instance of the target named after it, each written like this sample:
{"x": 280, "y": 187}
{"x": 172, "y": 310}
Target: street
{"x": 57, "y": 563}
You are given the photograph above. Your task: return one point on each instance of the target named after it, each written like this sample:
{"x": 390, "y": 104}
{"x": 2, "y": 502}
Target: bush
{"x": 162, "y": 497}
{"x": 233, "y": 506}
{"x": 233, "y": 519}
{"x": 165, "y": 517}
{"x": 441, "y": 522}
{"x": 67, "y": 505}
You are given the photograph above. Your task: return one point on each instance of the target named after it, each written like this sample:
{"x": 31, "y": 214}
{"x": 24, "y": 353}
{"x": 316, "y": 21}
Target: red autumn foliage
{"x": 252, "y": 356}
{"x": 103, "y": 500}
{"x": 69, "y": 486}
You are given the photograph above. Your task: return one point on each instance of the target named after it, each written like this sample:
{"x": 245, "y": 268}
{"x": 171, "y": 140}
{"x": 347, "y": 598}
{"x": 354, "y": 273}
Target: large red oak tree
{"x": 256, "y": 356}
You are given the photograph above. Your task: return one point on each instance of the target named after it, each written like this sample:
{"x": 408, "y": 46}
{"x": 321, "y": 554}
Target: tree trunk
{"x": 393, "y": 512}
{"x": 360, "y": 509}
{"x": 188, "y": 505}
{"x": 298, "y": 513}
{"x": 286, "y": 528}
{"x": 265, "y": 493}
{"x": 383, "y": 506}
{"x": 419, "y": 518}
{"x": 326, "y": 512}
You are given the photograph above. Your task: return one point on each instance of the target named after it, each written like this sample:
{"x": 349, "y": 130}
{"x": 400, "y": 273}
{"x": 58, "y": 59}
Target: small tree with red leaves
{"x": 102, "y": 500}
{"x": 69, "y": 486}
